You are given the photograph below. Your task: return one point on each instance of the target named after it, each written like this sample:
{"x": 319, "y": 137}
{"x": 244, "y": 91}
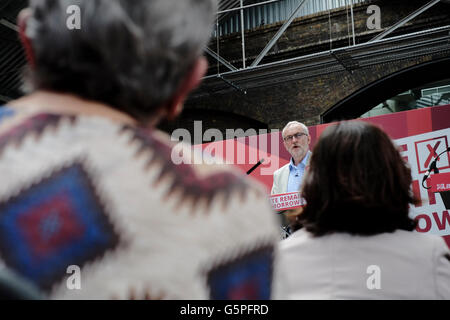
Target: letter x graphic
{"x": 432, "y": 154}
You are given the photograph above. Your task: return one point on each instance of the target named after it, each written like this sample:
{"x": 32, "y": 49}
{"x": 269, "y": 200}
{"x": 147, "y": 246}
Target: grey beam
{"x": 353, "y": 22}
{"x": 345, "y": 59}
{"x": 220, "y": 59}
{"x": 242, "y": 34}
{"x": 9, "y": 25}
{"x": 405, "y": 20}
{"x": 232, "y": 84}
{"x": 248, "y": 6}
{"x": 278, "y": 35}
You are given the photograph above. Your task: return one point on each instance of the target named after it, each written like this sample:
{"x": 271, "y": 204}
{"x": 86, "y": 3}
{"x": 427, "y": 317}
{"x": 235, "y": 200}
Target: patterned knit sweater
{"x": 94, "y": 209}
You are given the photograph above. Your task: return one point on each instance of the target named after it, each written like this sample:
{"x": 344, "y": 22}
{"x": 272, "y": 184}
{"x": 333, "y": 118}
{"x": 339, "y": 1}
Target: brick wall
{"x": 312, "y": 33}
{"x": 304, "y": 100}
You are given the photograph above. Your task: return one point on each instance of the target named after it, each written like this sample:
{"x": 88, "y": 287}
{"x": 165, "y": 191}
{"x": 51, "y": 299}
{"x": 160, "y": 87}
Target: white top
{"x": 404, "y": 265}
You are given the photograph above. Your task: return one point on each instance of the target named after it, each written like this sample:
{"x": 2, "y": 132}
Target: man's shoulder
{"x": 280, "y": 170}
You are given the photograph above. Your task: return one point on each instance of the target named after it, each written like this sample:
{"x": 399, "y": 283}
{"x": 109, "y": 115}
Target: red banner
{"x": 421, "y": 134}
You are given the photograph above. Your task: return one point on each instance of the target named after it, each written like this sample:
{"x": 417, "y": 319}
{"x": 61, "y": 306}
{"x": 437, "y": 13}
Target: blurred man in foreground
{"x": 92, "y": 206}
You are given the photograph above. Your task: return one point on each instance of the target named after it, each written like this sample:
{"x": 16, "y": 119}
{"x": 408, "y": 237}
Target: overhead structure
{"x": 292, "y": 8}
{"x": 348, "y": 58}
{"x": 363, "y": 55}
{"x": 241, "y": 75}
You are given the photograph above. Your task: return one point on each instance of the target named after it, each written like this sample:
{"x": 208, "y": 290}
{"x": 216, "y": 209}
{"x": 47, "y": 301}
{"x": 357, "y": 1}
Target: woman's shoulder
{"x": 399, "y": 238}
{"x": 298, "y": 238}
{"x": 415, "y": 238}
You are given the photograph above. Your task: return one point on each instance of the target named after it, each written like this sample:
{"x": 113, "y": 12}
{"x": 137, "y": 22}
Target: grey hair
{"x": 290, "y": 124}
{"x": 130, "y": 54}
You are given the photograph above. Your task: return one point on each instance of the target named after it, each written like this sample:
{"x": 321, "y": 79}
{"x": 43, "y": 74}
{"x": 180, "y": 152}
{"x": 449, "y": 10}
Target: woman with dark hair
{"x": 354, "y": 238}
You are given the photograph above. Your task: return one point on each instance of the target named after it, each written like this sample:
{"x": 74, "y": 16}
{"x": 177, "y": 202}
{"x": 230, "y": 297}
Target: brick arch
{"x": 384, "y": 88}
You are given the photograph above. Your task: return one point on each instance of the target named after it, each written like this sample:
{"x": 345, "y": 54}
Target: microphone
{"x": 255, "y": 166}
{"x": 433, "y": 167}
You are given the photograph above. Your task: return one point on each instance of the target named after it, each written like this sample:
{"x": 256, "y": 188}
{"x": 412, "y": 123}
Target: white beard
{"x": 298, "y": 153}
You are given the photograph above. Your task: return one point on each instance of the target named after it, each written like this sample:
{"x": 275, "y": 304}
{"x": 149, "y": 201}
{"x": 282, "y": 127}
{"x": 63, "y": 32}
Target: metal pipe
{"x": 217, "y": 45}
{"x": 220, "y": 59}
{"x": 405, "y": 20}
{"x": 278, "y": 34}
{"x": 243, "y": 34}
{"x": 247, "y": 6}
{"x": 232, "y": 84}
{"x": 10, "y": 25}
{"x": 353, "y": 21}
{"x": 361, "y": 46}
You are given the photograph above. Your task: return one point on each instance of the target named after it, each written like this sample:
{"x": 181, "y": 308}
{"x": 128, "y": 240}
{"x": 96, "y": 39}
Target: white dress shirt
{"x": 296, "y": 174}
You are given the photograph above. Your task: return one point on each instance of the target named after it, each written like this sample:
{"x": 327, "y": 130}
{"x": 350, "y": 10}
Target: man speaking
{"x": 289, "y": 177}
{"x": 296, "y": 141}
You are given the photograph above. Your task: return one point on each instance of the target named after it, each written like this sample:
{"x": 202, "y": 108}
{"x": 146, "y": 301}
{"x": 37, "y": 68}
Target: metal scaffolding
{"x": 349, "y": 58}
{"x": 363, "y": 55}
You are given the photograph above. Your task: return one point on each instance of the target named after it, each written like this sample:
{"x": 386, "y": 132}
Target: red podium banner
{"x": 287, "y": 201}
{"x": 440, "y": 182}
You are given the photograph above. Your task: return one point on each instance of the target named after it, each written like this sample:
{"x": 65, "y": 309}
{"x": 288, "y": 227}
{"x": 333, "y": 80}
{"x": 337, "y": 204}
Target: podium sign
{"x": 440, "y": 183}
{"x": 287, "y": 201}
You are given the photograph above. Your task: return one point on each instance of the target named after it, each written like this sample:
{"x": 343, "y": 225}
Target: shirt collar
{"x": 301, "y": 164}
